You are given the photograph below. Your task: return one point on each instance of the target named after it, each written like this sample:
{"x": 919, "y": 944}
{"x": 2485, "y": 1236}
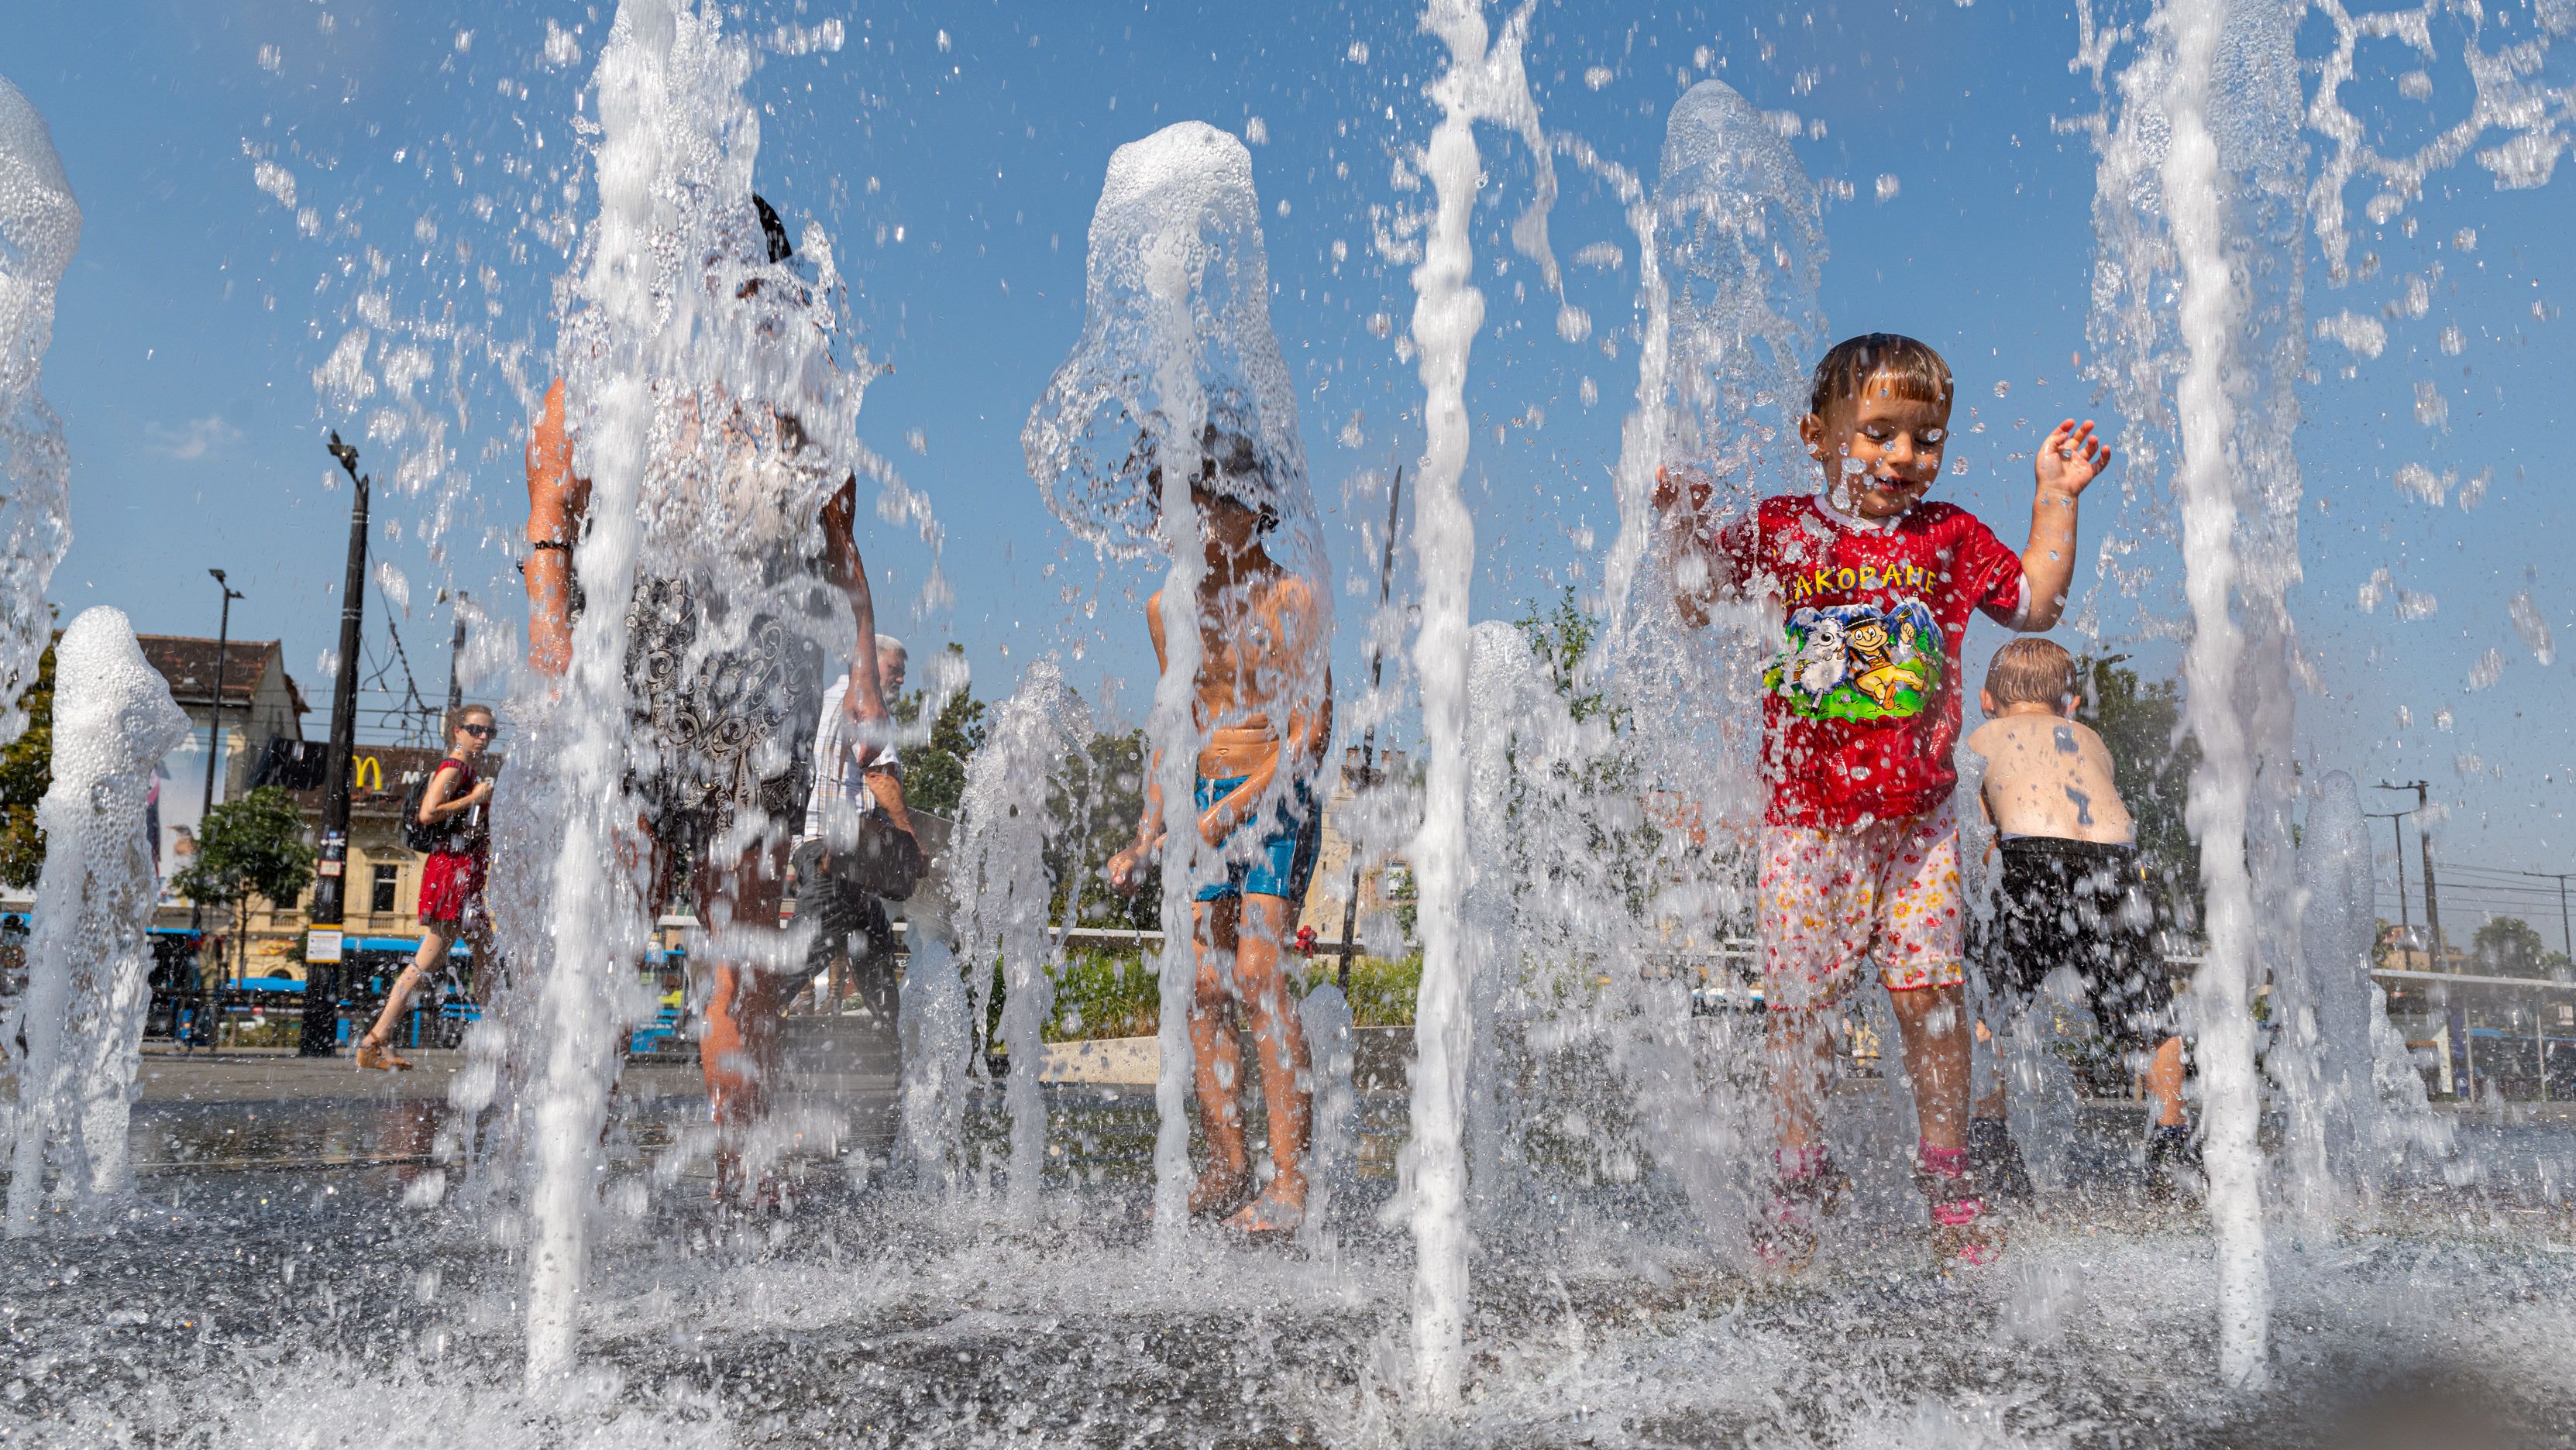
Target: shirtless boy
{"x": 1264, "y": 706}
{"x": 1872, "y": 587}
{"x": 2070, "y": 893}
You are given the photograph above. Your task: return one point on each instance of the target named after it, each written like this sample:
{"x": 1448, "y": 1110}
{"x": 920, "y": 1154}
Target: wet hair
{"x": 1223, "y": 455}
{"x": 1918, "y": 371}
{"x": 457, "y": 717}
{"x": 772, "y": 230}
{"x": 2032, "y": 671}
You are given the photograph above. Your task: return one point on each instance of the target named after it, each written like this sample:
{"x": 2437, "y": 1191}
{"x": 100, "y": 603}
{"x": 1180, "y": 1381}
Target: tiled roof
{"x": 188, "y": 663}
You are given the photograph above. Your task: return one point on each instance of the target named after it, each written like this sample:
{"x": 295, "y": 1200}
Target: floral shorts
{"x": 1888, "y": 891}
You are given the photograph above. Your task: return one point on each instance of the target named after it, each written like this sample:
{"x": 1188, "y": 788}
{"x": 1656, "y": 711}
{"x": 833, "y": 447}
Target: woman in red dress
{"x": 451, "y": 883}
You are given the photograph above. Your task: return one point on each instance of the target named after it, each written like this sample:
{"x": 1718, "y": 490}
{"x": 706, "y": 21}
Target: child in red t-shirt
{"x": 1859, "y": 850}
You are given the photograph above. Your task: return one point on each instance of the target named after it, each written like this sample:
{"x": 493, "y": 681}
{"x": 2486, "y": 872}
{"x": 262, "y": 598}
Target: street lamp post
{"x": 214, "y": 748}
{"x": 322, "y": 942}
{"x": 458, "y": 600}
{"x": 1368, "y": 737}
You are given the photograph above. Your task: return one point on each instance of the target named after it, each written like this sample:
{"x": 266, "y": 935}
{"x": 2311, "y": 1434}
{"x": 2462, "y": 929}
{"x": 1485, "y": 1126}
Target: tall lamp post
{"x": 322, "y": 942}
{"x": 458, "y": 600}
{"x": 214, "y": 748}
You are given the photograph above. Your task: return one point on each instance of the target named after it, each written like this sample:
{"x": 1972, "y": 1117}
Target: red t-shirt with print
{"x": 1861, "y": 705}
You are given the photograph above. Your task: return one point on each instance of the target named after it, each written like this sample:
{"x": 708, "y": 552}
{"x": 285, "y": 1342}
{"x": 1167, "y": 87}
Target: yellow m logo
{"x": 361, "y": 768}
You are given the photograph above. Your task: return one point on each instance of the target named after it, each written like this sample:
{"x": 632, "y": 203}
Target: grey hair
{"x": 889, "y": 645}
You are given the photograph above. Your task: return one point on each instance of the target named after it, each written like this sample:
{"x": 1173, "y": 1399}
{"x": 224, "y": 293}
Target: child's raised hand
{"x": 1672, "y": 482}
{"x": 2070, "y": 458}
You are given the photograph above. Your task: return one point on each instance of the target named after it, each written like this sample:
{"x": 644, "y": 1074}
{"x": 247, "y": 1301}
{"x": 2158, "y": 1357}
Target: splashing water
{"x": 89, "y": 960}
{"x": 1177, "y": 361}
{"x": 708, "y": 409}
{"x": 998, "y": 874}
{"x": 2202, "y": 170}
{"x": 39, "y": 229}
{"x": 1484, "y": 82}
{"x": 2348, "y": 1134}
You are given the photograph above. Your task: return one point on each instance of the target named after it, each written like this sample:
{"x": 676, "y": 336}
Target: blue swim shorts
{"x": 1281, "y": 861}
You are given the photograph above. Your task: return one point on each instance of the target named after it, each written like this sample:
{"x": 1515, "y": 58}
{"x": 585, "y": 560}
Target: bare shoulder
{"x": 1292, "y": 593}
{"x": 2090, "y": 739}
{"x": 1985, "y": 738}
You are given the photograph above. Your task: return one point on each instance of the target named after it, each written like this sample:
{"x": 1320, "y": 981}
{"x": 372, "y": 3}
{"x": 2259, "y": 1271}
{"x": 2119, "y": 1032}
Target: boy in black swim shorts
{"x": 2070, "y": 893}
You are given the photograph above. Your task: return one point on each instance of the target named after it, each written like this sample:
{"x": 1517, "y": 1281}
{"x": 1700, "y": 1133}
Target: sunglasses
{"x": 479, "y": 732}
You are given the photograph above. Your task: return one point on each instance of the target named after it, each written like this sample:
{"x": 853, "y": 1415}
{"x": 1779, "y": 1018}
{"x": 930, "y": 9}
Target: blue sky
{"x": 954, "y": 153}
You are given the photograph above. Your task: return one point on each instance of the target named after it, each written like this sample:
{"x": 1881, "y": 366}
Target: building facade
{"x": 261, "y": 704}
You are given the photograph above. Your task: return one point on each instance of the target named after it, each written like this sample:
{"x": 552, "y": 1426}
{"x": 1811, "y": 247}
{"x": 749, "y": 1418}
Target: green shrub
{"x": 1104, "y": 993}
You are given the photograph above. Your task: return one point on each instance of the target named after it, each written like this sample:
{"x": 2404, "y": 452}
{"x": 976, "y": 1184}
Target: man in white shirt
{"x": 852, "y": 936}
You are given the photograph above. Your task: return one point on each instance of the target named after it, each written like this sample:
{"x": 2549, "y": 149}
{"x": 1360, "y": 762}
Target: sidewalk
{"x": 278, "y": 1075}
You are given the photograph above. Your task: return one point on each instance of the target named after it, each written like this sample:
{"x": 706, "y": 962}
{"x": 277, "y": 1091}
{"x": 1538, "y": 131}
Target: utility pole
{"x": 2424, "y": 844}
{"x": 2397, "y": 829}
{"x": 214, "y": 748}
{"x": 1368, "y": 737}
{"x": 2457, "y": 1015}
{"x": 2566, "y": 939}
{"x": 322, "y": 942}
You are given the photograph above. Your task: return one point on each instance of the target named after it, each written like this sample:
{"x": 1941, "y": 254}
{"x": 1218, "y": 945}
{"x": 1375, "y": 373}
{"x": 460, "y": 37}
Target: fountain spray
{"x": 1176, "y": 351}
{"x": 89, "y": 959}
{"x": 1484, "y": 82}
{"x": 39, "y": 229}
{"x": 999, "y": 876}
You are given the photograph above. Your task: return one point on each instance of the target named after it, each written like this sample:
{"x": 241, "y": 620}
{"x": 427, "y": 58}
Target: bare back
{"x": 2046, "y": 775}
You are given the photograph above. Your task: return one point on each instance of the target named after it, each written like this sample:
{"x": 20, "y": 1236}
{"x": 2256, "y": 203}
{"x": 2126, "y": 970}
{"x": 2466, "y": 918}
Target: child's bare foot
{"x": 1273, "y": 1212}
{"x": 1217, "y": 1191}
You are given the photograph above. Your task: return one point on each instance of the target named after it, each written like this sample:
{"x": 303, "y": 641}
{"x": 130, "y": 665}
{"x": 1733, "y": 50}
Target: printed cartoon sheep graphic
{"x": 1822, "y": 661}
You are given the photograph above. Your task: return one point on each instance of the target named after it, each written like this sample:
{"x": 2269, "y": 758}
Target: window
{"x": 388, "y": 882}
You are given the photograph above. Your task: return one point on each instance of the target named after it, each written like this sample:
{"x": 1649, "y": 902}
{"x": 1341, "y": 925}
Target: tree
{"x": 1099, "y": 794}
{"x": 934, "y": 775}
{"x": 1562, "y": 637}
{"x": 26, "y": 773}
{"x": 249, "y": 846}
{"x": 2508, "y": 946}
{"x": 2151, "y": 762}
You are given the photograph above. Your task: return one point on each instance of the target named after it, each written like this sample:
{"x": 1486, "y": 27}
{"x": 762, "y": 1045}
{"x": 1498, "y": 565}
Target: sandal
{"x": 1966, "y": 1232}
{"x": 376, "y": 1056}
{"x": 1811, "y": 1189}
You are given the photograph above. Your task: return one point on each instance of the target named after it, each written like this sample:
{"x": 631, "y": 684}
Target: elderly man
{"x": 852, "y": 937}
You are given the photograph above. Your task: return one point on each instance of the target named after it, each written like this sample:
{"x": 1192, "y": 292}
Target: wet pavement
{"x": 298, "y": 1269}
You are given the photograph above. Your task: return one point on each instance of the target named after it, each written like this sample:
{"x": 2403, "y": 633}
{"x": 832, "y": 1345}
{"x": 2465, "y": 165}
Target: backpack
{"x": 446, "y": 836}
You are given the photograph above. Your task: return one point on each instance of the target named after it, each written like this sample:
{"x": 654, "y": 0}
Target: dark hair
{"x": 1918, "y": 371}
{"x": 1221, "y": 452}
{"x": 2029, "y": 670}
{"x": 773, "y": 229}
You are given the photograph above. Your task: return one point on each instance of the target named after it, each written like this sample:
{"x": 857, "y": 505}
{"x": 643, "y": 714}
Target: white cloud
{"x": 191, "y": 440}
